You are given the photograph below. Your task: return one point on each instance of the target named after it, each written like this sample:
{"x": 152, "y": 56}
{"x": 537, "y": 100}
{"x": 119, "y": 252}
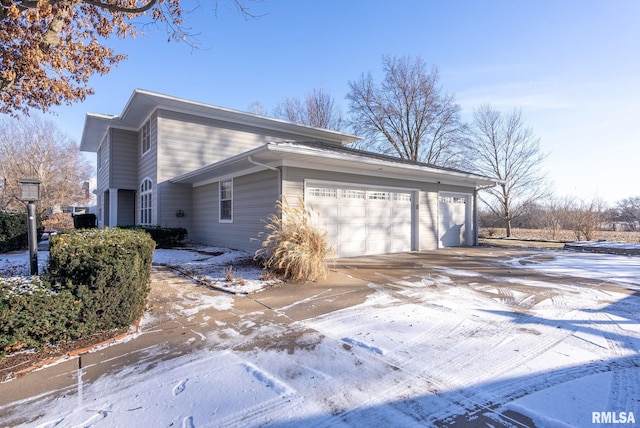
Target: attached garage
{"x": 362, "y": 221}
{"x": 368, "y": 203}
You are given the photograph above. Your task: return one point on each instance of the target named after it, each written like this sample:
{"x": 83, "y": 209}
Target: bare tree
{"x": 256, "y": 107}
{"x": 407, "y": 114}
{"x": 501, "y": 146}
{"x": 36, "y": 148}
{"x": 317, "y": 109}
{"x": 585, "y": 218}
{"x": 555, "y": 216}
{"x": 628, "y": 212}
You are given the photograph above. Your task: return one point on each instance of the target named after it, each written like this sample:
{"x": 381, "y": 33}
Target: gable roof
{"x": 331, "y": 158}
{"x": 143, "y": 103}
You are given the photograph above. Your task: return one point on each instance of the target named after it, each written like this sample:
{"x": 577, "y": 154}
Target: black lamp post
{"x": 30, "y": 190}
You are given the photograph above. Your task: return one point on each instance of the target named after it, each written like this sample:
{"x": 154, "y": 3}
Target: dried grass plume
{"x": 295, "y": 246}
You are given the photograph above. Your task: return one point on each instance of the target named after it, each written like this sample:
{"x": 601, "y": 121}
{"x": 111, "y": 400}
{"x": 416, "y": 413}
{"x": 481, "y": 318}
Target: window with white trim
{"x": 145, "y": 137}
{"x": 146, "y": 202}
{"x": 226, "y": 201}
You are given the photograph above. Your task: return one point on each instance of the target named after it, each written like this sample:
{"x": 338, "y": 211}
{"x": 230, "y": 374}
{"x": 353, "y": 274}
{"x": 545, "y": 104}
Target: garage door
{"x": 453, "y": 220}
{"x": 363, "y": 221}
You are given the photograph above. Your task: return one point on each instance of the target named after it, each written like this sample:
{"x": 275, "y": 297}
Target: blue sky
{"x": 573, "y": 67}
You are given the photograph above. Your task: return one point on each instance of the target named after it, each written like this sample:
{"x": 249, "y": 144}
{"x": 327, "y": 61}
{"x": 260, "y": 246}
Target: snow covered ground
{"x": 222, "y": 268}
{"x": 443, "y": 347}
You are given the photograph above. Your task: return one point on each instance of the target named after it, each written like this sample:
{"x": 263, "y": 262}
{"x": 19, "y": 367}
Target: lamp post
{"x": 30, "y": 190}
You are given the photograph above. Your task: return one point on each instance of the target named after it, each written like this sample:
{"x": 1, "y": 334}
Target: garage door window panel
{"x": 369, "y": 221}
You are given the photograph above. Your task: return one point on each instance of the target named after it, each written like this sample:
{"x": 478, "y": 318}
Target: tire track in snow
{"x": 625, "y": 384}
{"x": 489, "y": 361}
{"x": 500, "y": 393}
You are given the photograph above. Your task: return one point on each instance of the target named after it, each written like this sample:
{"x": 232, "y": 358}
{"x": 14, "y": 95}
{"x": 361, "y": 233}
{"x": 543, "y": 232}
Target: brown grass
{"x": 559, "y": 235}
{"x": 294, "y": 246}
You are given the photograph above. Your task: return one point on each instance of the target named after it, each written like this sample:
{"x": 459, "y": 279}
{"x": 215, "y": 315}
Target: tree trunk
{"x": 506, "y": 207}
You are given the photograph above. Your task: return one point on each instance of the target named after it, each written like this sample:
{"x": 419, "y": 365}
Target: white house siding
{"x": 103, "y": 162}
{"x": 427, "y": 196}
{"x": 147, "y": 162}
{"x": 102, "y": 178}
{"x": 173, "y": 197}
{"x": 190, "y": 142}
{"x": 254, "y": 198}
{"x": 124, "y": 148}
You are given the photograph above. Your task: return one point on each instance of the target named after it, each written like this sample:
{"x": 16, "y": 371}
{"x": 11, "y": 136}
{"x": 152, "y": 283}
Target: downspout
{"x": 273, "y": 168}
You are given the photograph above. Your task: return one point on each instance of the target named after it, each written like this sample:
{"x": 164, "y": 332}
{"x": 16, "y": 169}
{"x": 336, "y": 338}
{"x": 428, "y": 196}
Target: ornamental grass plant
{"x": 295, "y": 246}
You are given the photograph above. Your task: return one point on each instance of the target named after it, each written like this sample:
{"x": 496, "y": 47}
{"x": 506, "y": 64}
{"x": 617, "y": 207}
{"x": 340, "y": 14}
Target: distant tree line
{"x": 583, "y": 218}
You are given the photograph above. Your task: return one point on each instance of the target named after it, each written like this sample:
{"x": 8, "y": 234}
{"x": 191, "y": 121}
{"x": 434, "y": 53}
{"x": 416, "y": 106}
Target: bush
{"x": 295, "y": 247}
{"x": 97, "y": 280}
{"x": 58, "y": 221}
{"x": 164, "y": 237}
{"x": 31, "y": 314}
{"x": 108, "y": 270}
{"x": 84, "y": 221}
{"x": 13, "y": 231}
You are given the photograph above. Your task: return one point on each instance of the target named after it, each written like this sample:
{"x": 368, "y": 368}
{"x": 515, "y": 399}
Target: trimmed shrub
{"x": 164, "y": 237}
{"x": 13, "y": 231}
{"x": 295, "y": 247}
{"x": 31, "y": 314}
{"x": 108, "y": 270}
{"x": 84, "y": 221}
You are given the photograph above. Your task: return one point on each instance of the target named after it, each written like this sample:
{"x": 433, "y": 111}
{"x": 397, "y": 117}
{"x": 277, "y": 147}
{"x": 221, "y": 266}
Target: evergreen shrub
{"x": 97, "y": 280}
{"x": 108, "y": 270}
{"x": 84, "y": 221}
{"x": 164, "y": 237}
{"x": 13, "y": 231}
{"x": 31, "y": 314}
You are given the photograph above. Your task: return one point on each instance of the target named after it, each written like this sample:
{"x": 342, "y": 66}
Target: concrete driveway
{"x": 456, "y": 308}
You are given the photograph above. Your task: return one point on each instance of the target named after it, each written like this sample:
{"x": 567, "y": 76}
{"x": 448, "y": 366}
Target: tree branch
{"x": 123, "y": 9}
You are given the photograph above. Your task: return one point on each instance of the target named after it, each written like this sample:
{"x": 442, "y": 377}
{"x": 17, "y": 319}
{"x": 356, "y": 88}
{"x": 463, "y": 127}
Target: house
{"x": 219, "y": 172}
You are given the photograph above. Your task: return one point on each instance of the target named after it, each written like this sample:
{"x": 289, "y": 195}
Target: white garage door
{"x": 363, "y": 221}
{"x": 453, "y": 220}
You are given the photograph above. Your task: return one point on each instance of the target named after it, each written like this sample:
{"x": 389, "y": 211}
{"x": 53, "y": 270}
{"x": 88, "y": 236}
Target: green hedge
{"x": 97, "y": 280}
{"x": 109, "y": 270}
{"x": 164, "y": 237}
{"x": 38, "y": 316}
{"x": 84, "y": 221}
{"x": 13, "y": 230}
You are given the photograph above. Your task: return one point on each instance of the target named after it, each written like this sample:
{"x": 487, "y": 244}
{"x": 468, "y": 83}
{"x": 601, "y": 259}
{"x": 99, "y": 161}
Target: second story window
{"x": 145, "y": 137}
{"x": 102, "y": 155}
